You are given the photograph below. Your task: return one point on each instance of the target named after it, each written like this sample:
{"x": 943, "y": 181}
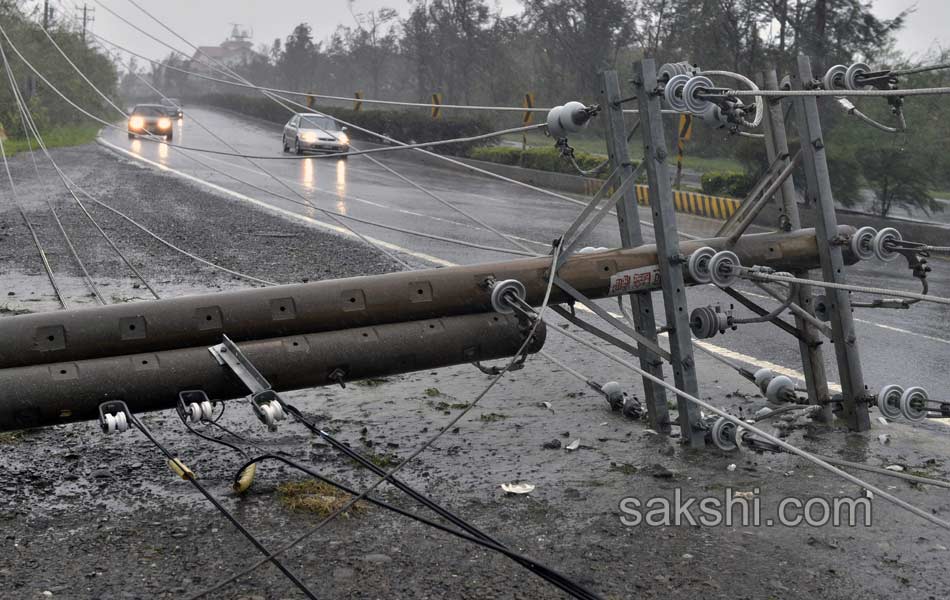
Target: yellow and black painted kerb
{"x": 694, "y": 203}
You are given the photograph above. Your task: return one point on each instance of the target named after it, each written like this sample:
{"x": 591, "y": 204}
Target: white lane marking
{"x": 287, "y": 213}
{"x": 899, "y": 330}
{"x": 727, "y": 353}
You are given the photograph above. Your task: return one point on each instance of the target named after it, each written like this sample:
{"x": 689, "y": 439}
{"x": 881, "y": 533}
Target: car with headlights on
{"x": 311, "y": 132}
{"x": 150, "y": 119}
{"x": 173, "y": 107}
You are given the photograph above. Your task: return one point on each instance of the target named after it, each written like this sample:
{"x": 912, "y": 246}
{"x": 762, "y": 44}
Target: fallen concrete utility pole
{"x": 51, "y": 394}
{"x": 333, "y": 305}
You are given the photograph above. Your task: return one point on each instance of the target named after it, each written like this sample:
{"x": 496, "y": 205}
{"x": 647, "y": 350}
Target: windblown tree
{"x": 297, "y": 63}
{"x": 578, "y": 38}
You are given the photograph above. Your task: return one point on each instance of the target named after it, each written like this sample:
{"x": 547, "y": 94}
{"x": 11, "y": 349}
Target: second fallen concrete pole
{"x": 57, "y": 393}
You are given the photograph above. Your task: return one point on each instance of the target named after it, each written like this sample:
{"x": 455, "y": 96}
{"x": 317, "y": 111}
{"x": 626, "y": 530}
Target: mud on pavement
{"x": 83, "y": 515}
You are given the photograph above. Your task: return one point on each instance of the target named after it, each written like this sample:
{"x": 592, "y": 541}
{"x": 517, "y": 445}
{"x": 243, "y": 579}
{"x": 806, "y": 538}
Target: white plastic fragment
{"x": 884, "y": 438}
{"x": 573, "y": 445}
{"x": 731, "y": 467}
{"x": 518, "y": 488}
{"x": 895, "y": 468}
{"x": 548, "y": 406}
{"x": 883, "y": 421}
{"x": 744, "y": 495}
{"x": 762, "y": 412}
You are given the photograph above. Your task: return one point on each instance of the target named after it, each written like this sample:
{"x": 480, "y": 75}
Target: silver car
{"x": 309, "y": 132}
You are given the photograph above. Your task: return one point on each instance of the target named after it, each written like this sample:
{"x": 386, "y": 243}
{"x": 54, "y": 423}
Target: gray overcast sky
{"x": 206, "y": 22}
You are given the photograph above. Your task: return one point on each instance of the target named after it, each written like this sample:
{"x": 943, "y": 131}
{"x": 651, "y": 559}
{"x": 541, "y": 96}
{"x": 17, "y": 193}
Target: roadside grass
{"x": 315, "y": 497}
{"x": 596, "y": 145}
{"x": 10, "y": 437}
{"x": 66, "y": 135}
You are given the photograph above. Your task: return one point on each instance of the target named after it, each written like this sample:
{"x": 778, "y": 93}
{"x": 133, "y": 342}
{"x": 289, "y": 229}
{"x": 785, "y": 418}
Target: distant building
{"x": 236, "y": 50}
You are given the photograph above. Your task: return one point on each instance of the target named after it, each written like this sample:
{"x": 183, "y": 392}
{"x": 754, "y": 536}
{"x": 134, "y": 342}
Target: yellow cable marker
{"x": 245, "y": 478}
{"x": 181, "y": 469}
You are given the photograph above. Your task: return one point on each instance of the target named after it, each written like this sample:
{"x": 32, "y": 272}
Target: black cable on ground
{"x": 187, "y": 475}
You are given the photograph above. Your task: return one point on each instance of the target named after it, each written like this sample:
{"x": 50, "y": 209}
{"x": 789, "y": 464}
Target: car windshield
{"x": 316, "y": 122}
{"x": 148, "y": 111}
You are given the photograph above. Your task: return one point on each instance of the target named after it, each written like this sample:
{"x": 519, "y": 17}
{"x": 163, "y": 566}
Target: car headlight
{"x": 164, "y": 123}
{"x": 343, "y": 138}
{"x": 136, "y": 122}
{"x": 309, "y": 137}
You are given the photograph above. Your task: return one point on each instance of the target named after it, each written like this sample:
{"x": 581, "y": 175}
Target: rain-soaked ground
{"x": 83, "y": 515}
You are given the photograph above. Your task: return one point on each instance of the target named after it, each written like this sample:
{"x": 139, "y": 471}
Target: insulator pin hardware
{"x": 572, "y": 117}
{"x": 499, "y": 295}
{"x": 868, "y": 242}
{"x": 725, "y": 434}
{"x": 267, "y": 407}
{"x": 857, "y": 76}
{"x": 682, "y": 91}
{"x": 912, "y": 403}
{"x": 706, "y": 321}
{"x": 114, "y": 417}
{"x": 778, "y": 389}
{"x": 195, "y": 406}
{"x": 724, "y": 268}
{"x": 705, "y": 265}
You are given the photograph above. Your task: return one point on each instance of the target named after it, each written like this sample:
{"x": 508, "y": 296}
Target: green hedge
{"x": 405, "y": 126}
{"x": 727, "y": 183}
{"x": 543, "y": 159}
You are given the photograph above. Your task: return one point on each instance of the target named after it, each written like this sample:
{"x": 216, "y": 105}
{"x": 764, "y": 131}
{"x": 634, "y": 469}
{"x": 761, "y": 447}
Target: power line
{"x": 431, "y": 194}
{"x": 25, "y": 112}
{"x": 27, "y": 122}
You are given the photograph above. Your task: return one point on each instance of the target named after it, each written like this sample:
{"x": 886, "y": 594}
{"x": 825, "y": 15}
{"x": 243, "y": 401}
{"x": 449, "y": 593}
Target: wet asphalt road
{"x": 906, "y": 347}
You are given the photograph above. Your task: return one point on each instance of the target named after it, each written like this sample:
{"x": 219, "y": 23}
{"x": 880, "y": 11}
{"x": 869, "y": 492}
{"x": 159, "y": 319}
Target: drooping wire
{"x": 306, "y": 202}
{"x": 88, "y": 114}
{"x": 466, "y": 531}
{"x": 448, "y": 159}
{"x": 27, "y": 130}
{"x": 28, "y": 118}
{"x": 495, "y": 379}
{"x": 36, "y": 240}
{"x": 227, "y": 70}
